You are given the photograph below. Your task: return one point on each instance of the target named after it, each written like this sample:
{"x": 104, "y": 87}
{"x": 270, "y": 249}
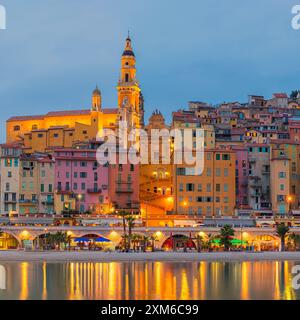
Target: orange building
{"x": 156, "y": 179}
{"x": 210, "y": 194}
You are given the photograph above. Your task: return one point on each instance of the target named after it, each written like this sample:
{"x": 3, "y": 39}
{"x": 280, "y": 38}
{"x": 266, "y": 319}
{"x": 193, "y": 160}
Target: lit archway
{"x": 8, "y": 241}
{"x": 178, "y": 241}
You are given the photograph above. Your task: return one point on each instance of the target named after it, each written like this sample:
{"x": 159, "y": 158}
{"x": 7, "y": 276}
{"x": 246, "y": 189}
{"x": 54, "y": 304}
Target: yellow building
{"x": 210, "y": 194}
{"x": 41, "y": 133}
{"x": 291, "y": 150}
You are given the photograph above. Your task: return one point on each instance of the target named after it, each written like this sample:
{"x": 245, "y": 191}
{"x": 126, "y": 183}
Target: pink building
{"x": 241, "y": 176}
{"x": 81, "y": 183}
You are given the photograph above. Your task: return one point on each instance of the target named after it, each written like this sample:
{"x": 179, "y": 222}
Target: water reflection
{"x": 148, "y": 280}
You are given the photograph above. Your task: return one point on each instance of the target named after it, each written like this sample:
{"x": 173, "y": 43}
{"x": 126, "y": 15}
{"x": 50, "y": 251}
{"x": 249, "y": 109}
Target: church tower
{"x": 129, "y": 92}
{"x": 96, "y": 100}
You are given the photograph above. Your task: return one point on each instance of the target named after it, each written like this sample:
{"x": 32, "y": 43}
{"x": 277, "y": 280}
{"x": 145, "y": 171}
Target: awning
{"x": 101, "y": 239}
{"x": 83, "y": 239}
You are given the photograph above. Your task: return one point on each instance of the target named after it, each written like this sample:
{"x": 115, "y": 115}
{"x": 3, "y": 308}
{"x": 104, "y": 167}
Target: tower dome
{"x": 96, "y": 100}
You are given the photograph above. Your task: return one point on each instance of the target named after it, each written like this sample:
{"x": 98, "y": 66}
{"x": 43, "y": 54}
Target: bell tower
{"x": 129, "y": 92}
{"x": 96, "y": 100}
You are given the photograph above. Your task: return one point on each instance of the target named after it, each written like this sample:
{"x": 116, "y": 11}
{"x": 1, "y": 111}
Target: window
{"x": 75, "y": 174}
{"x": 75, "y": 186}
{"x": 50, "y": 188}
{"x": 17, "y": 128}
{"x": 40, "y": 135}
{"x": 83, "y": 186}
{"x": 208, "y": 172}
{"x": 218, "y": 157}
{"x": 131, "y": 167}
{"x": 282, "y": 175}
{"x": 42, "y": 188}
{"x": 199, "y": 187}
{"x": 181, "y": 187}
{"x": 225, "y": 172}
{"x": 83, "y": 175}
{"x": 56, "y": 135}
{"x": 189, "y": 187}
{"x": 225, "y": 187}
{"x": 83, "y": 164}
{"x": 218, "y": 172}
{"x": 7, "y": 186}
{"x": 126, "y": 77}
{"x": 282, "y": 187}
{"x": 67, "y": 175}
{"x": 218, "y": 187}
{"x": 9, "y": 175}
{"x": 208, "y": 187}
{"x": 34, "y": 127}
{"x": 226, "y": 157}
{"x": 43, "y": 173}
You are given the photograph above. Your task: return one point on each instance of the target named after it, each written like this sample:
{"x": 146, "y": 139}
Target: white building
{"x": 10, "y": 176}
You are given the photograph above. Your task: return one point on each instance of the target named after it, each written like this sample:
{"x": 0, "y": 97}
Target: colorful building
{"x": 81, "y": 183}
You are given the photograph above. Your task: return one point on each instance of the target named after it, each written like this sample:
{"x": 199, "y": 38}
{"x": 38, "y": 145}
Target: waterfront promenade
{"x": 65, "y": 256}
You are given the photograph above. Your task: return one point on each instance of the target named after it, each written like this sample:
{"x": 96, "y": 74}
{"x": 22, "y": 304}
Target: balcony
{"x": 94, "y": 190}
{"x": 123, "y": 182}
{"x": 10, "y": 201}
{"x": 63, "y": 191}
{"x": 124, "y": 190}
{"x": 47, "y": 202}
{"x": 28, "y": 201}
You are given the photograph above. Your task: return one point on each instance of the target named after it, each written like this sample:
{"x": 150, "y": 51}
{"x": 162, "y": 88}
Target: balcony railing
{"x": 94, "y": 190}
{"x": 124, "y": 190}
{"x": 28, "y": 201}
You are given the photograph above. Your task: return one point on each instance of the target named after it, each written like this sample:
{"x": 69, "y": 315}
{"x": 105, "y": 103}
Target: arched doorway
{"x": 266, "y": 243}
{"x": 177, "y": 242}
{"x": 8, "y": 241}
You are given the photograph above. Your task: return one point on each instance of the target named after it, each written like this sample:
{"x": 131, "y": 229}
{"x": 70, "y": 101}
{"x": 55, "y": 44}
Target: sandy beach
{"x": 91, "y": 256}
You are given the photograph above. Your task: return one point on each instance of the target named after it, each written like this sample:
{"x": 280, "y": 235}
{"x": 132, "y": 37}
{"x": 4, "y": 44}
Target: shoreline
{"x": 66, "y": 256}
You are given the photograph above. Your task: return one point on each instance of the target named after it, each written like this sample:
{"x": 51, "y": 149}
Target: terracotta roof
{"x": 67, "y": 113}
{"x": 60, "y": 114}
{"x": 25, "y": 118}
{"x": 280, "y": 95}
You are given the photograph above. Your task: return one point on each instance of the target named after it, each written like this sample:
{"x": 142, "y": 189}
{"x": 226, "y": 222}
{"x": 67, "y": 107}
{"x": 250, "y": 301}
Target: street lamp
{"x": 289, "y": 200}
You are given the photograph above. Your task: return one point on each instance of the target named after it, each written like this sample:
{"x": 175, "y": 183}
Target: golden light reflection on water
{"x": 147, "y": 280}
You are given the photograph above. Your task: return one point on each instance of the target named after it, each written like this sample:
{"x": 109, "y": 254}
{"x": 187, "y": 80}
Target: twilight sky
{"x": 54, "y": 52}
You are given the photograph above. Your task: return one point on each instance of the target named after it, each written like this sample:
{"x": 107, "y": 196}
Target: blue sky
{"x": 55, "y": 51}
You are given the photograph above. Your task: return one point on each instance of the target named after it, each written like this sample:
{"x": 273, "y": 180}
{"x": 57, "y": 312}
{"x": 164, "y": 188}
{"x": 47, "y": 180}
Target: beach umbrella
{"x": 101, "y": 239}
{"x": 83, "y": 239}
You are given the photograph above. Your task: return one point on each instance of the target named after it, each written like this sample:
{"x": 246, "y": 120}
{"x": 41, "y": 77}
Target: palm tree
{"x": 145, "y": 240}
{"x": 282, "y": 231}
{"x": 200, "y": 242}
{"x": 295, "y": 238}
{"x": 135, "y": 238}
{"x": 153, "y": 238}
{"x": 124, "y": 214}
{"x": 130, "y": 222}
{"x": 210, "y": 238}
{"x": 226, "y": 233}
